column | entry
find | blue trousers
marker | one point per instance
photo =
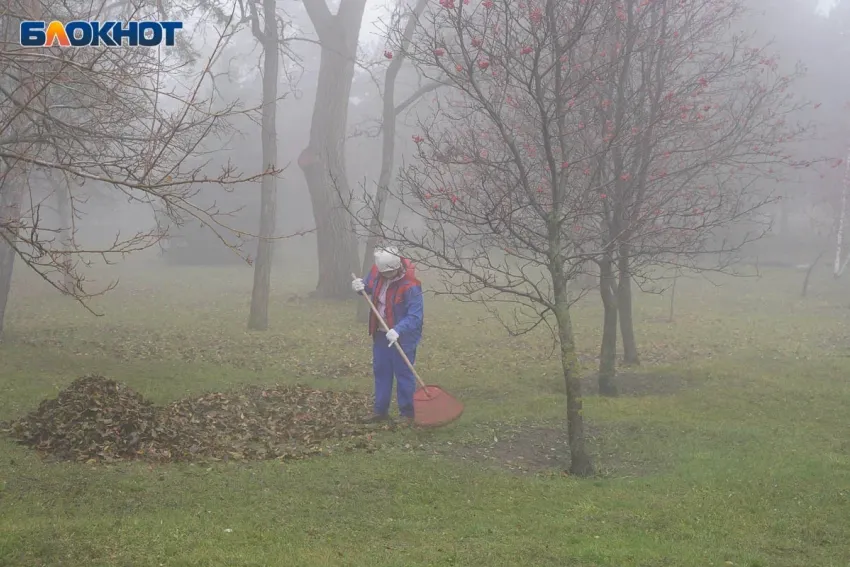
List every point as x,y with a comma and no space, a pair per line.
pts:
386,363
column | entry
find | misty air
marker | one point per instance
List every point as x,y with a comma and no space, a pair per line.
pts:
425,282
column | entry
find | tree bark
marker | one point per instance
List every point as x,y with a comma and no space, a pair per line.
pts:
580,461
624,305
10,215
63,207
382,190
258,319
608,350
784,215
672,298
7,263
323,161
840,263
809,273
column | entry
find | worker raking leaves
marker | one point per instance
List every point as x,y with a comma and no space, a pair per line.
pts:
397,295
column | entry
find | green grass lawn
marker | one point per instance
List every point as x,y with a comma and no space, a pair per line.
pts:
729,446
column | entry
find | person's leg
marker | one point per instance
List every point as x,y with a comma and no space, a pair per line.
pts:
406,380
382,367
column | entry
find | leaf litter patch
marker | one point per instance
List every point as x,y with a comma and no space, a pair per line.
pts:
96,419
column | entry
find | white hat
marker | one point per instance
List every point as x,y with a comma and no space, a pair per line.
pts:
387,259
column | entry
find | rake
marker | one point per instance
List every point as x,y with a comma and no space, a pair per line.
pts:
432,405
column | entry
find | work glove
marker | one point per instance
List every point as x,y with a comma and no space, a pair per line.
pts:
392,336
357,285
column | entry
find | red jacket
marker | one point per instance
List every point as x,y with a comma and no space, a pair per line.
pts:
404,306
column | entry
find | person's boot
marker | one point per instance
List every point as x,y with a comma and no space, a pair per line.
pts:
406,421
376,418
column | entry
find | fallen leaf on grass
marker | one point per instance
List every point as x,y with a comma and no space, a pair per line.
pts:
96,419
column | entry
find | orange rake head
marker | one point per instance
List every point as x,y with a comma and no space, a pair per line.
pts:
433,407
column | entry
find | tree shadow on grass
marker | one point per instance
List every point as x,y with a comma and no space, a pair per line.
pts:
639,384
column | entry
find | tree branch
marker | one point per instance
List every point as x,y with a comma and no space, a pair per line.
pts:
419,93
320,15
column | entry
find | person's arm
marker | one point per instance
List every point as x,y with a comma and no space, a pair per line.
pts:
369,282
415,308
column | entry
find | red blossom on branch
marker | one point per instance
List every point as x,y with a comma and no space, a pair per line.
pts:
668,122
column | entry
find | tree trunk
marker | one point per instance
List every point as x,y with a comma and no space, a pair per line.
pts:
608,351
809,274
387,153
580,462
336,246
258,319
63,207
624,305
382,190
10,215
7,263
323,161
672,298
840,264
784,215
12,184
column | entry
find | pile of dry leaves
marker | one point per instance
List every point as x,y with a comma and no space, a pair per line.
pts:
96,419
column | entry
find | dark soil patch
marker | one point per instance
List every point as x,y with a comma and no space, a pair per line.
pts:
521,451
637,384
536,449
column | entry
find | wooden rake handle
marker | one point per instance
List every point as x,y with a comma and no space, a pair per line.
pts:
386,329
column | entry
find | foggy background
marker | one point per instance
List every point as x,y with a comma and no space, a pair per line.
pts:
802,223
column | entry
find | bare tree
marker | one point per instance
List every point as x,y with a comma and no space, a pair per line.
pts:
268,25
117,117
492,180
323,161
269,38
390,113
691,126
